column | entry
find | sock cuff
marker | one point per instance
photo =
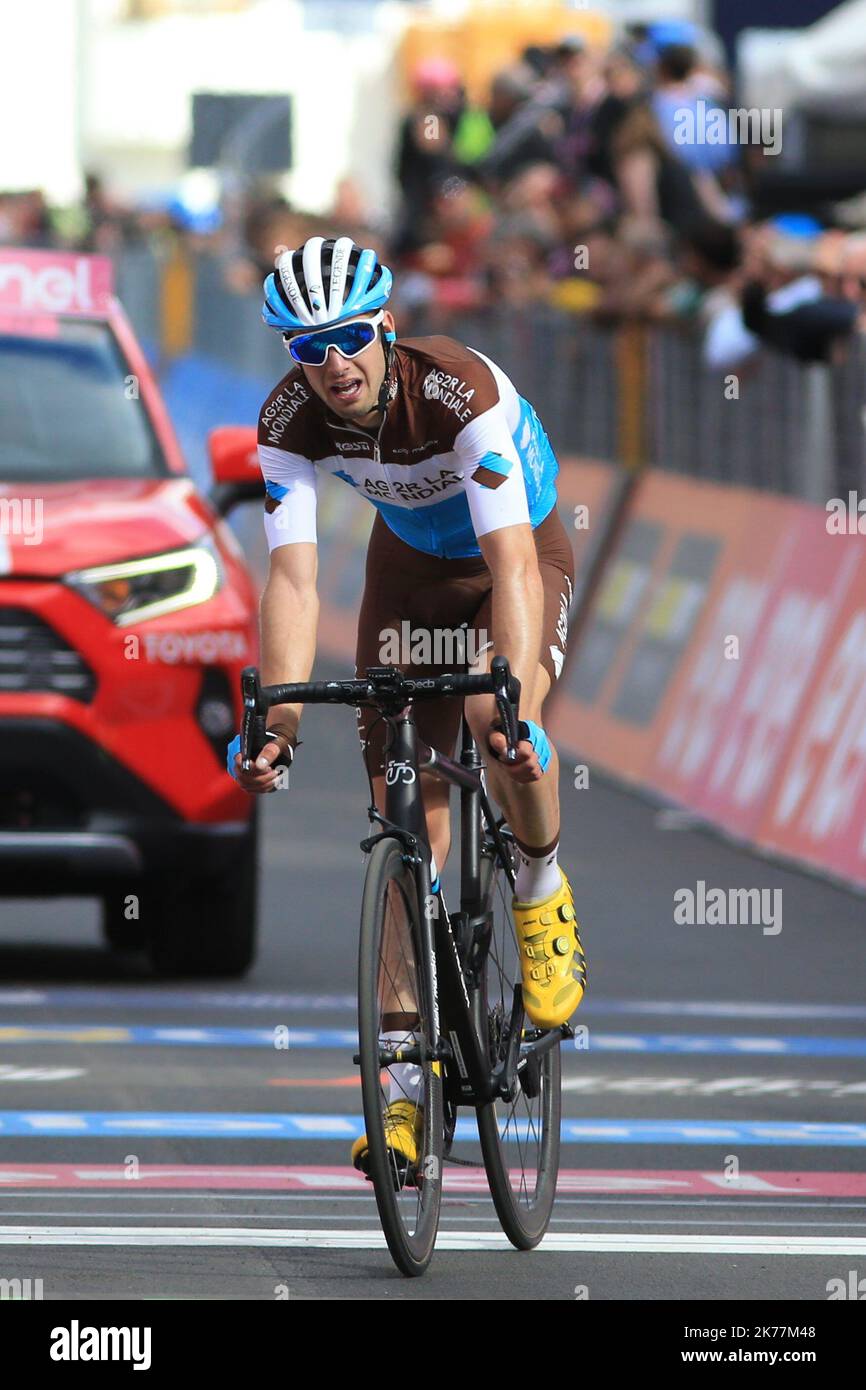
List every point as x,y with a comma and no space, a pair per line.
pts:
536,851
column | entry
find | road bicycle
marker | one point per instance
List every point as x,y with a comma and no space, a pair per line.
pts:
439,993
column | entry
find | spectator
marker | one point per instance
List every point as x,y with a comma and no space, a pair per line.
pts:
526,128
654,185
584,93
425,156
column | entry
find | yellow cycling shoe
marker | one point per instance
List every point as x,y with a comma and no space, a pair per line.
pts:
404,1126
551,957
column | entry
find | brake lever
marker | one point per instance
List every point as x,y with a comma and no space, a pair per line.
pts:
253,723
506,689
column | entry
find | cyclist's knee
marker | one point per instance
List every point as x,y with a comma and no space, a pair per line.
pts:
480,711
531,708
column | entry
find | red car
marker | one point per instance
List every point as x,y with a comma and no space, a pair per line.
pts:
126,615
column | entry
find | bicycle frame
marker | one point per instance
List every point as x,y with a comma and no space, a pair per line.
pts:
453,1034
447,959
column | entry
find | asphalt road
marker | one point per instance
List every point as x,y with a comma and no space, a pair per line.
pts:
157,1145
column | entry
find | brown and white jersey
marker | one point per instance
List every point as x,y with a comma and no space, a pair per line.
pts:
459,454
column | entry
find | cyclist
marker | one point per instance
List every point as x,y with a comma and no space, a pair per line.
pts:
462,476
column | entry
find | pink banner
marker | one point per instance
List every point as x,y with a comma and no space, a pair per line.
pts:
54,282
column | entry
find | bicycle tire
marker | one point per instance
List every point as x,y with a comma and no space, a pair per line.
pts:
524,1213
409,1223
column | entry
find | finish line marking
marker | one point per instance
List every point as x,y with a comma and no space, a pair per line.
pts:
265,1125
555,1242
90,1034
334,1178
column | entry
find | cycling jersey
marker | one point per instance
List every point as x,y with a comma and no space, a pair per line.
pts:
459,454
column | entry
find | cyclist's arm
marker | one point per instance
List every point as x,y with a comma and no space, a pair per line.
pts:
496,493
518,603
289,622
290,605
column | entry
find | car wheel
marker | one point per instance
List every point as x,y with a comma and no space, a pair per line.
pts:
206,925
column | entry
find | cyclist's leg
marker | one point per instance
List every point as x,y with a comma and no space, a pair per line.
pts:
407,589
551,955
532,809
399,589
537,813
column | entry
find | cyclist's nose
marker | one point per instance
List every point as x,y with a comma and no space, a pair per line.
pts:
340,359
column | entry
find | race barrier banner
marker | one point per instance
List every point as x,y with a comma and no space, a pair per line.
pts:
724,666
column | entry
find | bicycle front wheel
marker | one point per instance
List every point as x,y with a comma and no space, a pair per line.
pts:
402,1101
519,1138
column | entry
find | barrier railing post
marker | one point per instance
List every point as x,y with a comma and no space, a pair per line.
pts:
176,303
815,464
631,366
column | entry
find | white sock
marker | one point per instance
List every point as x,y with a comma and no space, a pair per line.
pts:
536,879
405,1077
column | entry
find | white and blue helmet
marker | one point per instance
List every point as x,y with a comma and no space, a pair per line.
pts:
322,283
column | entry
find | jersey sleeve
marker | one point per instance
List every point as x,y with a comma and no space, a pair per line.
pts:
290,504
492,472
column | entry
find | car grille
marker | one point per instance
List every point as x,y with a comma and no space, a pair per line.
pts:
35,657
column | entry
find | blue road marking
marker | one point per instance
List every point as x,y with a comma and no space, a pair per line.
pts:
209,1125
157,998
710,1044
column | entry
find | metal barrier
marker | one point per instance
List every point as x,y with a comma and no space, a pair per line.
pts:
138,280
634,394
228,326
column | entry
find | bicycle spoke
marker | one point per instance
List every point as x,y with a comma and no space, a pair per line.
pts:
520,1122
398,1024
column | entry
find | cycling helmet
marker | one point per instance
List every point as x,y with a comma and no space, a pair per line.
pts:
322,283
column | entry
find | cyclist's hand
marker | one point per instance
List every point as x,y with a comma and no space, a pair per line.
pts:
533,752
263,777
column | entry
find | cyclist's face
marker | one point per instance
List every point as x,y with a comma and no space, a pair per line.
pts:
349,386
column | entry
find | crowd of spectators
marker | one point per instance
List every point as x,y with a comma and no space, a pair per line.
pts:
584,186
573,187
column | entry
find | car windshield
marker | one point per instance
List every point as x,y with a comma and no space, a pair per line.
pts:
69,408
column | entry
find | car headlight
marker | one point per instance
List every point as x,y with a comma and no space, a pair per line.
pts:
134,590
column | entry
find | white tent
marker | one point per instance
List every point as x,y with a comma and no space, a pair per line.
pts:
821,69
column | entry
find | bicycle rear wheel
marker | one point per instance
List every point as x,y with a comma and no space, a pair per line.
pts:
519,1138
393,999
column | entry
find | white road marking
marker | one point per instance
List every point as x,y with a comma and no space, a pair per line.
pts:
789,1086
555,1242
10,1073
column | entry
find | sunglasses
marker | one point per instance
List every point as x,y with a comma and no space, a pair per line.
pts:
349,339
